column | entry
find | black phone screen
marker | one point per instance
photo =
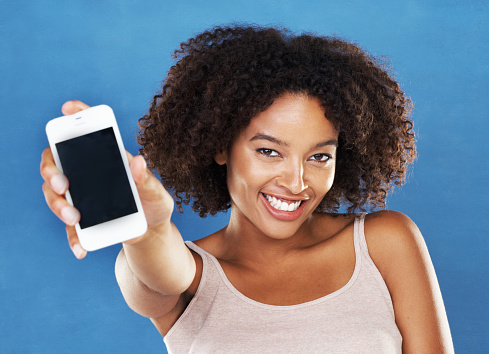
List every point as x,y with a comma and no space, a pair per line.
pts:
99,186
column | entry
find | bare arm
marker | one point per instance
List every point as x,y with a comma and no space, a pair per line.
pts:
153,273
399,251
140,297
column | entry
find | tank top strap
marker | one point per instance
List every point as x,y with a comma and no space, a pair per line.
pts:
359,235
361,249
203,298
203,254
210,272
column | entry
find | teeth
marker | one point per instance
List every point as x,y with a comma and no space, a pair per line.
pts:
281,204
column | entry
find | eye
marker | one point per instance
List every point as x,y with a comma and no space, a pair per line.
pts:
268,152
321,157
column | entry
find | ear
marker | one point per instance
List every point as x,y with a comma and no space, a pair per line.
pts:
221,158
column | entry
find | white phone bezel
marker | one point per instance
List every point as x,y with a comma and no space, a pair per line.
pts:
84,122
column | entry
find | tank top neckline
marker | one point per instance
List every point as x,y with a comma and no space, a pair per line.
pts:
358,237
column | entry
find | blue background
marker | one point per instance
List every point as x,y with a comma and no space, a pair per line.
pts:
117,53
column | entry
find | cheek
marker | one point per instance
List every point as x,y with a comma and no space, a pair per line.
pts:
238,178
246,178
330,181
327,180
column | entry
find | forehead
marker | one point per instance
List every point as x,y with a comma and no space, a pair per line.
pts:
293,116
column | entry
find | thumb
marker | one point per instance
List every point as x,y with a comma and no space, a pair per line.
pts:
138,169
157,202
149,188
72,107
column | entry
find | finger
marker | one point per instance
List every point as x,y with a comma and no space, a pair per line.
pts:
50,173
71,107
74,242
59,206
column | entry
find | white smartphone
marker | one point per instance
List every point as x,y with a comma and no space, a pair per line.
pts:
87,147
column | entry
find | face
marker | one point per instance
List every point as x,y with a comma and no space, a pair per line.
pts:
281,166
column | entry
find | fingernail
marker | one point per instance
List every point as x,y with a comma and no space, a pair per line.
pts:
70,215
59,183
77,250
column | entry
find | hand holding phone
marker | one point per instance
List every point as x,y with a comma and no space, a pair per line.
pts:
156,202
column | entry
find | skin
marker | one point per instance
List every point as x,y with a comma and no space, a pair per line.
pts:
287,151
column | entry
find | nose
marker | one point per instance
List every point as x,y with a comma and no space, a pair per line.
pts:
292,177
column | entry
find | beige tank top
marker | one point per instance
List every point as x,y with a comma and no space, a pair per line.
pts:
358,318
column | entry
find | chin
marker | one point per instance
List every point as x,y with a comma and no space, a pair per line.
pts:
281,232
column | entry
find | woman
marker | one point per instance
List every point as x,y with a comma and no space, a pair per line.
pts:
283,130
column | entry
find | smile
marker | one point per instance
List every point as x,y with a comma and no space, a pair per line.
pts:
281,204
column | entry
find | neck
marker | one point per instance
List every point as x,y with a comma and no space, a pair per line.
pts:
245,244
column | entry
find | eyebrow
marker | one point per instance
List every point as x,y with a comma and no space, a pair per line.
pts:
283,143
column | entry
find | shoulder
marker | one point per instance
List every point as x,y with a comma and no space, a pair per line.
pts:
392,239
391,223
397,248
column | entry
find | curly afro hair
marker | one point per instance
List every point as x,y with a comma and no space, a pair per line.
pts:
224,77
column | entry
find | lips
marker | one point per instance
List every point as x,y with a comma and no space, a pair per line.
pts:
283,209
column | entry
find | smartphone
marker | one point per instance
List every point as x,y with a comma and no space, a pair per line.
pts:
87,147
